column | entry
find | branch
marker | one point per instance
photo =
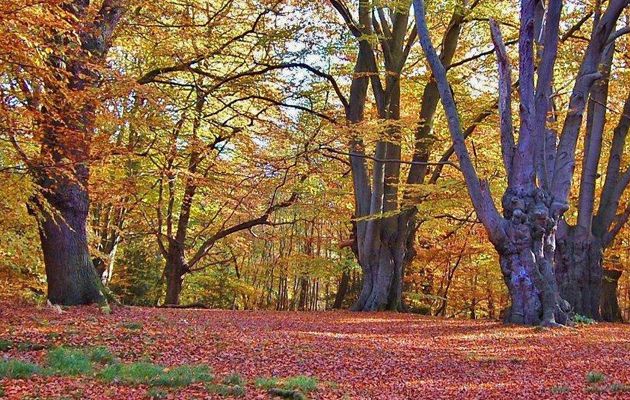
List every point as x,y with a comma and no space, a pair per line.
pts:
478,191
505,97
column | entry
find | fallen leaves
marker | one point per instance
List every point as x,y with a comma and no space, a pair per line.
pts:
356,355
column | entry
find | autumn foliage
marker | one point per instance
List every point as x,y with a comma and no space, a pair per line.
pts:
357,356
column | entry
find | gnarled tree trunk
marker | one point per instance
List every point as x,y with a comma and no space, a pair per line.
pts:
527,257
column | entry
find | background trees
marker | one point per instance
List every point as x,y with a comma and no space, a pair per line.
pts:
272,154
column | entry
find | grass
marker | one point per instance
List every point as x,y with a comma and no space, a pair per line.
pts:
619,388
559,389
234,380
266,382
155,393
302,383
595,377
68,362
156,375
5,345
583,320
133,326
16,369
293,387
101,355
226,390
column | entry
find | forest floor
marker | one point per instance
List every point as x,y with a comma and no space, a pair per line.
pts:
349,355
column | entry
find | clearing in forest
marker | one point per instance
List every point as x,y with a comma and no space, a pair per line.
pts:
144,353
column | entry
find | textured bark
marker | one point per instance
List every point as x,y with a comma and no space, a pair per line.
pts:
578,264
527,257
609,305
70,274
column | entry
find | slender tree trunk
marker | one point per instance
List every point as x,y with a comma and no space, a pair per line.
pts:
578,269
342,289
610,310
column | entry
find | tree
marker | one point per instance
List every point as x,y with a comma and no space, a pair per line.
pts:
539,172
385,203
60,77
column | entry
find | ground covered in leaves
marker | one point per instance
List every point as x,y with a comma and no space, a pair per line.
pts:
143,353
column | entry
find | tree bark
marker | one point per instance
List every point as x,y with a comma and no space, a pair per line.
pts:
610,310
526,258
579,269
342,289
175,270
70,274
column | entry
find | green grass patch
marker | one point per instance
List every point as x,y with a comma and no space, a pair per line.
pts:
266,382
595,377
583,320
156,375
68,361
302,383
5,345
16,369
101,355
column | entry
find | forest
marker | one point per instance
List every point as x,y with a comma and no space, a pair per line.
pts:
329,199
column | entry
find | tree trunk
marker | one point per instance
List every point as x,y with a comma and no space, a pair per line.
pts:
342,289
174,271
610,310
383,267
527,258
579,269
70,273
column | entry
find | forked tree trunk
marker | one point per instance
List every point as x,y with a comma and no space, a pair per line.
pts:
610,310
579,269
70,273
383,267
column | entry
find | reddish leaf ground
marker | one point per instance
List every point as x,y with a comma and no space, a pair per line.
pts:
353,355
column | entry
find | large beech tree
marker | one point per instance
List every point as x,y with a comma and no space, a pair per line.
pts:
385,202
61,91
539,172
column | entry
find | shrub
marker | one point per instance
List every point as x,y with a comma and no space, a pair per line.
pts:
67,361
17,369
